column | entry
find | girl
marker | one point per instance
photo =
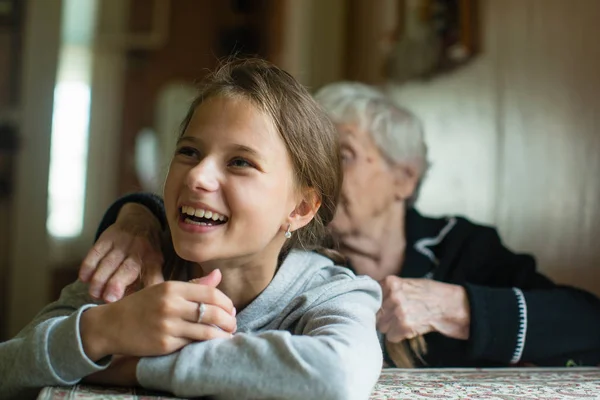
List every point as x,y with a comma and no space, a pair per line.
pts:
254,181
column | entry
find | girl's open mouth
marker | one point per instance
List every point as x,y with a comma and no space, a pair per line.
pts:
199,216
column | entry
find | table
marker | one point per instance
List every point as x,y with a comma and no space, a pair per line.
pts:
497,384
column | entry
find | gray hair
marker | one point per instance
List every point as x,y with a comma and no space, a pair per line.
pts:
397,132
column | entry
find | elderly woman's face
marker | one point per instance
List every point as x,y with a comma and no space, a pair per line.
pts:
370,185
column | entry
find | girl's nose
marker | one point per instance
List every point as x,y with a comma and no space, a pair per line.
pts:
203,177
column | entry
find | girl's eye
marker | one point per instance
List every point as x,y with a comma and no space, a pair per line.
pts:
240,163
187,151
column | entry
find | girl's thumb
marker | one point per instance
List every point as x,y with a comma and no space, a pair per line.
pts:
212,279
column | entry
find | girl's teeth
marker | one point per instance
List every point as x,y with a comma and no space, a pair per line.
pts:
191,221
201,213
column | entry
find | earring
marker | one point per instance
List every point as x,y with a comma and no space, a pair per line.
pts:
288,233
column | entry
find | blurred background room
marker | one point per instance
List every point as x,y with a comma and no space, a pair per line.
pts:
92,93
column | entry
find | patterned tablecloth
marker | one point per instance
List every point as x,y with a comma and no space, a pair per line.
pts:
500,384
497,384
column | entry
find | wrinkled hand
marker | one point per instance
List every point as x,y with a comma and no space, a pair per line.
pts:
159,319
413,307
121,372
126,255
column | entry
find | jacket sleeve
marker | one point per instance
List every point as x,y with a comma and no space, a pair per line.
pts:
332,353
153,202
520,316
48,351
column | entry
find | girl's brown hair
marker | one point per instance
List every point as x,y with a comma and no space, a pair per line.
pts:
307,131
312,143
402,353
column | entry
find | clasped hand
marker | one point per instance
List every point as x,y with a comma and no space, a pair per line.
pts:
159,319
413,307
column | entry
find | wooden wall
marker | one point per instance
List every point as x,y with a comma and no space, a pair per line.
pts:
11,22
515,136
5,46
201,32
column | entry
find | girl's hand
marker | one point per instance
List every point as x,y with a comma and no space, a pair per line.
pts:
159,319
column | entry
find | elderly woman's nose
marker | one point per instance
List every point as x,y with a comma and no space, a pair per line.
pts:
204,176
348,186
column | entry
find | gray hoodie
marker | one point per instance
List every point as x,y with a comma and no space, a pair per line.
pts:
309,335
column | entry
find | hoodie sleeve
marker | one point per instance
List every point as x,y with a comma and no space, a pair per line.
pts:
153,202
332,353
520,316
49,350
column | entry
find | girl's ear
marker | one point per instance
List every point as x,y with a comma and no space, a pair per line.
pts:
305,210
406,178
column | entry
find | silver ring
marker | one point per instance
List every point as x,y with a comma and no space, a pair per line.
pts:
201,311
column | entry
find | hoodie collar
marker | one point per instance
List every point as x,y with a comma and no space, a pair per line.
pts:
289,280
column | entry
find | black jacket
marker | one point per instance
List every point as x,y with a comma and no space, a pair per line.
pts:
518,316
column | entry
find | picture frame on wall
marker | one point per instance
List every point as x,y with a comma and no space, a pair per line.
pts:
433,37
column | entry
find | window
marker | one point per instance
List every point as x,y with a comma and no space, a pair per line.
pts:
70,120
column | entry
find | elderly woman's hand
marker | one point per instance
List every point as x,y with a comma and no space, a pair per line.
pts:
126,254
413,307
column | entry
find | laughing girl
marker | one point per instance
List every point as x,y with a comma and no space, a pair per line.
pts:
253,307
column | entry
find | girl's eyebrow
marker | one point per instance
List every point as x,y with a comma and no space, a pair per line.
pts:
187,139
236,147
245,149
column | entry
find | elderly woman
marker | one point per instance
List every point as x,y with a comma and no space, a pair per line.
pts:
453,294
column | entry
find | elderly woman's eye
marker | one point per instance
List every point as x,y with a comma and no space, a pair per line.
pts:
347,155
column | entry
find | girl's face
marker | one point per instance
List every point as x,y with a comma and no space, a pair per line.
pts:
230,188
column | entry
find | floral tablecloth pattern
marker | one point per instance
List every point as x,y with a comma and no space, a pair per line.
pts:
497,384
399,384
